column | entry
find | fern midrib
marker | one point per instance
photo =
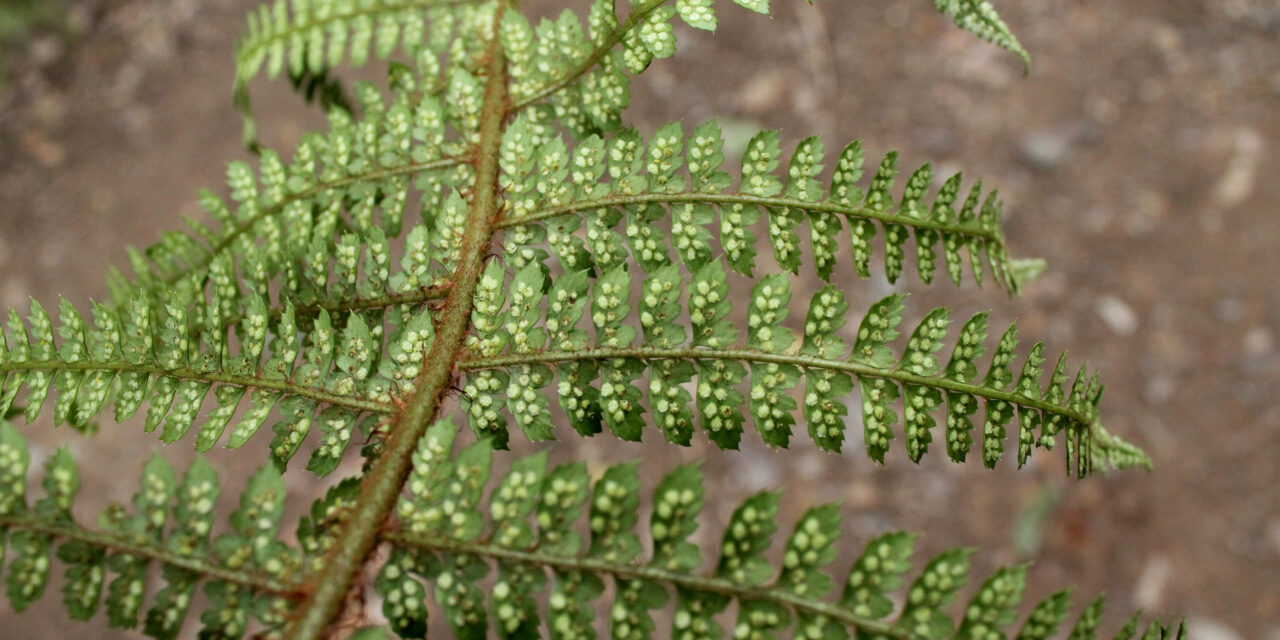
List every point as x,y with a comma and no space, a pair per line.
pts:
247,224
121,366
973,229
626,571
207,569
750,356
382,485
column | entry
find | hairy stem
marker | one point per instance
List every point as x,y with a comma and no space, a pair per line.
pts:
385,480
628,571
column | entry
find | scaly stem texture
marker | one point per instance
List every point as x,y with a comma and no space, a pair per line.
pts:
383,483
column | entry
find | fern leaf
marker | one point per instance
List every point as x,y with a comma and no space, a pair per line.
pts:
290,305
771,599
581,78
979,17
283,222
309,38
1043,622
598,379
645,191
339,375
247,573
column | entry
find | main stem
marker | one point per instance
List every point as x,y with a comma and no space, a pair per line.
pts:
383,483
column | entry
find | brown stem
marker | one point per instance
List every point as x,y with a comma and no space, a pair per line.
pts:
384,482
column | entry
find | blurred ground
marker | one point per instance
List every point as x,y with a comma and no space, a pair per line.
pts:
1139,157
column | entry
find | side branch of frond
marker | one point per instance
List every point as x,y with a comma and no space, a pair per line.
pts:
637,14
972,228
629,571
248,224
206,568
650,354
222,377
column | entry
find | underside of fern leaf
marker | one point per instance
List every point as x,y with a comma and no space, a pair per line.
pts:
453,530
979,17
486,228
246,573
327,354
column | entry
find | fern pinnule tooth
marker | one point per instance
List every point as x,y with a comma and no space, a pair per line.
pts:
746,538
42,349
1048,615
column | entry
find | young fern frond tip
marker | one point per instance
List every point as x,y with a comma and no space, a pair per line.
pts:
979,17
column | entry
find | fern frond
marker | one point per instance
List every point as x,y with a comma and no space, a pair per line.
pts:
356,179
551,197
509,364
309,38
330,376
442,537
980,18
292,299
582,75
247,573
581,79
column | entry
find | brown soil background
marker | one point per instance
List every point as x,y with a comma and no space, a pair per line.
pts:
1139,157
